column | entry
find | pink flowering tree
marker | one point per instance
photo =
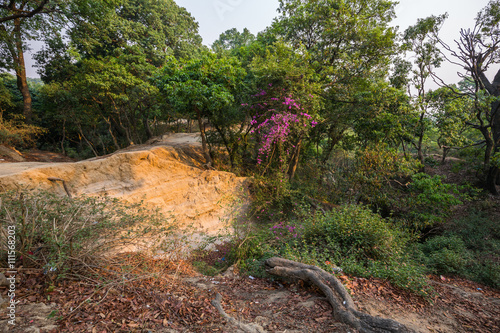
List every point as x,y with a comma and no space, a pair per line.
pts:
284,109
279,125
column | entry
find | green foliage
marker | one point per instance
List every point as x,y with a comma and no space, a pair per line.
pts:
354,231
68,236
17,134
206,83
445,255
232,40
206,88
470,247
431,200
452,115
107,103
349,44
361,243
373,175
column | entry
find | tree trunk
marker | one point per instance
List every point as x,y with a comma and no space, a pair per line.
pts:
421,139
494,171
206,153
294,161
88,142
63,151
147,128
110,130
334,137
446,150
20,69
491,180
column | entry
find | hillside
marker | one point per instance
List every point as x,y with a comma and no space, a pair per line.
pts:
167,174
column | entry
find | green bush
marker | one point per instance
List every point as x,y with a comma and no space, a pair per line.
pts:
360,242
445,255
428,200
469,248
71,235
355,231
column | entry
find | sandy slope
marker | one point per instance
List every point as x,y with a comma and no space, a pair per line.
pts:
166,173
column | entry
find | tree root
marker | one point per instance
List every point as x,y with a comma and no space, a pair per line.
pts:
250,328
344,309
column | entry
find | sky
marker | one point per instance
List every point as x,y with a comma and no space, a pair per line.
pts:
217,16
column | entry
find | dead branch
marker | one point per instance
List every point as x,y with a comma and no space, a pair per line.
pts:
53,179
250,328
343,306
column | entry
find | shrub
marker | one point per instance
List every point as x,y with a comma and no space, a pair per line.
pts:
64,235
428,200
469,248
18,134
361,243
445,255
355,231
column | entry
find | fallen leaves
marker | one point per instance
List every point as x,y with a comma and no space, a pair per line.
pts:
167,301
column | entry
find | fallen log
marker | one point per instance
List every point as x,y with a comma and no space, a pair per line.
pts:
344,309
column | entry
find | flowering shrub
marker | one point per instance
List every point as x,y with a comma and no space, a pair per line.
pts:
277,130
281,231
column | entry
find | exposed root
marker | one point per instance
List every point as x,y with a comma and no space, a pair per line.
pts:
344,309
250,328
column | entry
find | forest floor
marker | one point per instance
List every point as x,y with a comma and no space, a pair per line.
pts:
177,299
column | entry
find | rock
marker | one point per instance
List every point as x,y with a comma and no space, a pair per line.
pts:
230,272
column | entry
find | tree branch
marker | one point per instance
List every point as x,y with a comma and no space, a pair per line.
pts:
24,14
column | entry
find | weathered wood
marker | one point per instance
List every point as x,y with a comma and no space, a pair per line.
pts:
66,188
344,309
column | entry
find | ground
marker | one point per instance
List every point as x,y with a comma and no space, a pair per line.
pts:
173,297
180,302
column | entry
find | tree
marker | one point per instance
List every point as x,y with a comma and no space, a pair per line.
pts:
350,44
98,74
284,110
418,39
22,20
205,86
106,102
451,112
232,39
16,10
478,49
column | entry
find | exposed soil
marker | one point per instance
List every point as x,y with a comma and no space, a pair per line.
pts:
167,173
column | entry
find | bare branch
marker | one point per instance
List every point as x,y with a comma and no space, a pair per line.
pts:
25,14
